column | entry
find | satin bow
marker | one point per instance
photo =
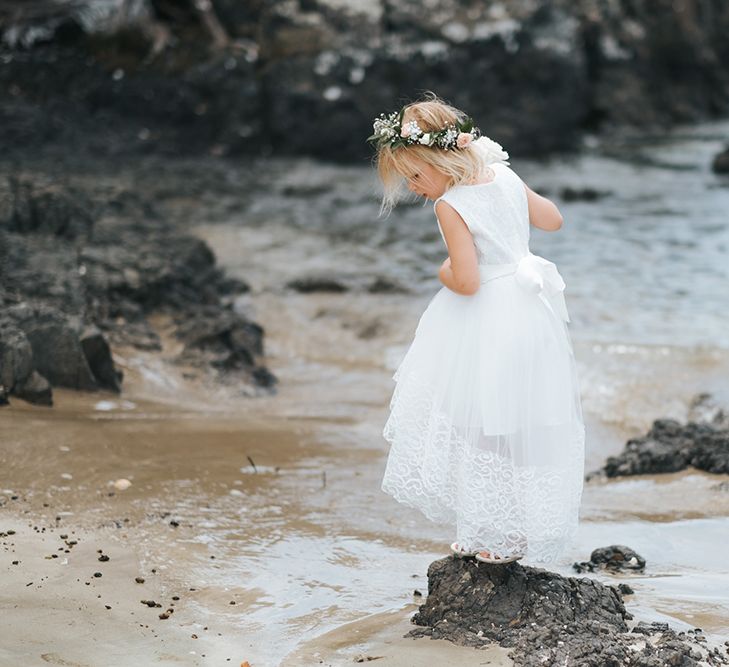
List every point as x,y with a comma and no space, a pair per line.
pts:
541,277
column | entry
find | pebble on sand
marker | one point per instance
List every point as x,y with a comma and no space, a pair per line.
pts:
122,484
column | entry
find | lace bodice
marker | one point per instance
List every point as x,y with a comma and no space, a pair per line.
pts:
496,213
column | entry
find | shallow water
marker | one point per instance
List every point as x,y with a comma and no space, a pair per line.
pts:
284,490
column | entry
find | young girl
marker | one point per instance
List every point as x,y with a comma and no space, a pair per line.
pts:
485,422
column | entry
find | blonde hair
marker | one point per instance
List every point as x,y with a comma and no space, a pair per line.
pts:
395,165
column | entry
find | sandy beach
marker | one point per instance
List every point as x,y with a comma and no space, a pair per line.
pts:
57,610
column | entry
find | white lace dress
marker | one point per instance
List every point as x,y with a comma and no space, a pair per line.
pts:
485,427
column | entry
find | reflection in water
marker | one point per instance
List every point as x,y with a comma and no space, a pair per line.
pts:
283,491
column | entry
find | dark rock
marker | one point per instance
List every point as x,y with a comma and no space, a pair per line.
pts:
385,286
35,389
98,356
370,330
670,446
263,377
563,66
704,409
45,207
81,272
316,284
225,340
210,328
720,164
545,619
16,355
582,194
473,600
56,342
616,557
649,628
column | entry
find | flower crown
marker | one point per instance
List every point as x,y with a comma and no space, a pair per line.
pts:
389,129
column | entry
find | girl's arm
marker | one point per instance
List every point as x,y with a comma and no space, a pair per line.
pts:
543,213
459,272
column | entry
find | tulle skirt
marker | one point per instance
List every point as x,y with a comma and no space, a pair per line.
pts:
485,426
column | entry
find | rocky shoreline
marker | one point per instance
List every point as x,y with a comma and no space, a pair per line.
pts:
82,271
308,77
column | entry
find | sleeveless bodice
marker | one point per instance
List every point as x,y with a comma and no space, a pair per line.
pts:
496,213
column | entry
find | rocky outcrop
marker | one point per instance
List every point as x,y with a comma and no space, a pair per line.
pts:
670,446
79,274
308,77
548,619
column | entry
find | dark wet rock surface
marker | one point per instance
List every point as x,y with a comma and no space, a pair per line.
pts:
615,558
670,446
720,163
158,80
81,272
583,194
316,284
705,409
548,619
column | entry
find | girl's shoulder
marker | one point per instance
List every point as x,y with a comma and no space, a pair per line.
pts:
501,171
505,185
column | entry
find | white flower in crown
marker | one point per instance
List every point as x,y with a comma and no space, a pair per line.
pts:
411,129
450,136
425,139
492,151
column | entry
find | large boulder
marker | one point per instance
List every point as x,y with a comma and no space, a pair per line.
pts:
548,619
60,344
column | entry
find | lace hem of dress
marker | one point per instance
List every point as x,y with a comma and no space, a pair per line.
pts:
493,503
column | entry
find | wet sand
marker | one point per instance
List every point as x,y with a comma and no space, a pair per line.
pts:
56,611
64,615
380,638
